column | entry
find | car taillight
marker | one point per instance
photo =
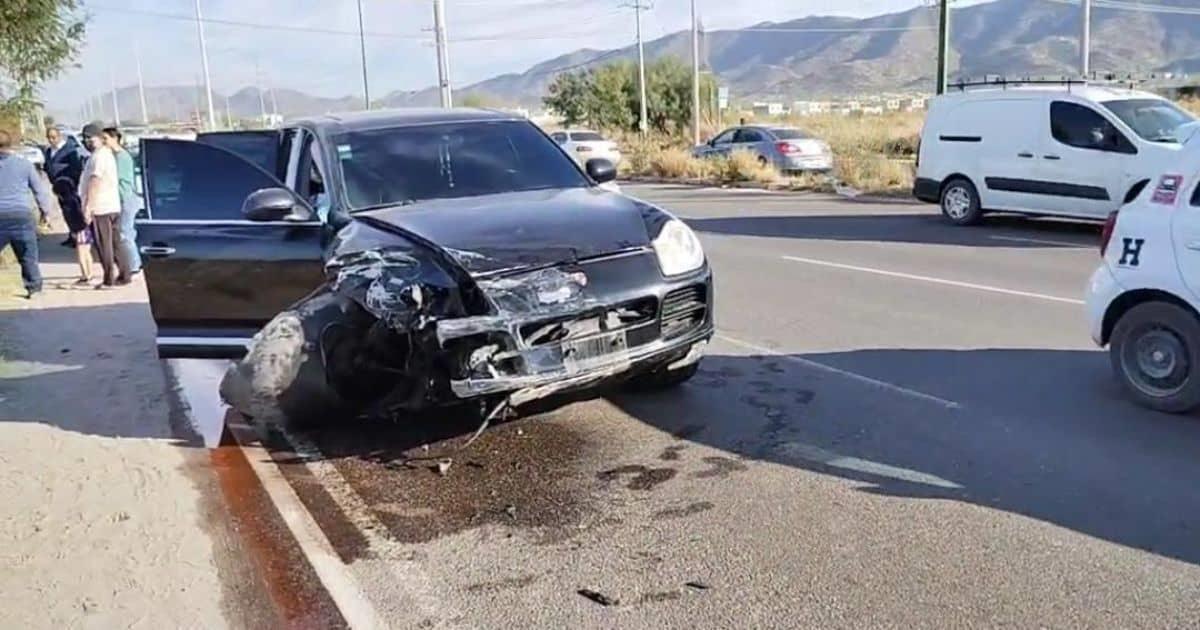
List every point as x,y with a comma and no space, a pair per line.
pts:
788,148
1110,224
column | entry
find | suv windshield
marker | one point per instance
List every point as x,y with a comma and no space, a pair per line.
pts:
1153,119
406,164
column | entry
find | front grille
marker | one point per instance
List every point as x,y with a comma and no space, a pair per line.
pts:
637,317
683,310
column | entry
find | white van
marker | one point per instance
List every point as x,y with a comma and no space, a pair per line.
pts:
1069,149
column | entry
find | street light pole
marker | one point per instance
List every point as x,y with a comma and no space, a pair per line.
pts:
943,46
1085,39
212,113
439,27
112,89
642,126
695,77
362,48
137,58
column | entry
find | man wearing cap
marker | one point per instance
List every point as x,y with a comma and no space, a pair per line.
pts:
18,178
99,190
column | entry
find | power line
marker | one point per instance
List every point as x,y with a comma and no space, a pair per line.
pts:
1124,5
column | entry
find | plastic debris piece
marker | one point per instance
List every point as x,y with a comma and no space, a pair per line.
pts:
598,597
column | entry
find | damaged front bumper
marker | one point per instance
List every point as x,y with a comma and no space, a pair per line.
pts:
575,339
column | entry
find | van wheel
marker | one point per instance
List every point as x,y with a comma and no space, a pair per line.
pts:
1155,354
960,202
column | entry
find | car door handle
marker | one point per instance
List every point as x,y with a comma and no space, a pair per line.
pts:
157,251
1024,155
1051,157
1193,245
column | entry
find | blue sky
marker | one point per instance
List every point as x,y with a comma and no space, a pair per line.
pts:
488,37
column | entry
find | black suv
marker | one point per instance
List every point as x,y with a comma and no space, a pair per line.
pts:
393,261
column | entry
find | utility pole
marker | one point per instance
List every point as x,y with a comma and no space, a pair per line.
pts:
212,112
695,76
637,11
228,114
112,90
1085,39
943,70
262,103
439,27
137,58
362,49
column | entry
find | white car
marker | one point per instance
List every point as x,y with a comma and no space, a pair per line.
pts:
1143,302
32,153
1069,149
583,145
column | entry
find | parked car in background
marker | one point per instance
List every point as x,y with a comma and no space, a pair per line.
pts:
583,145
1067,149
33,153
788,149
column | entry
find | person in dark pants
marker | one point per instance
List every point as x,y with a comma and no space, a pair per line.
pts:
129,201
18,178
64,158
102,206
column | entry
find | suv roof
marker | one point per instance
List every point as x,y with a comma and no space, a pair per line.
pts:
384,118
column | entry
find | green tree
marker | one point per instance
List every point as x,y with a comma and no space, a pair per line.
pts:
38,39
607,97
477,99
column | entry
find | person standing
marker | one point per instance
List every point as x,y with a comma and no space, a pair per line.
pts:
64,158
98,188
129,206
19,177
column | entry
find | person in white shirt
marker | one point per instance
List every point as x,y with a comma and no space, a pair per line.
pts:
101,197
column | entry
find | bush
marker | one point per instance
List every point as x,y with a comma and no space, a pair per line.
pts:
674,162
744,166
1191,104
872,172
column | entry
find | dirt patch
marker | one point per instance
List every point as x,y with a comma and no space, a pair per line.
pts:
506,584
665,596
683,512
719,468
640,477
671,453
522,474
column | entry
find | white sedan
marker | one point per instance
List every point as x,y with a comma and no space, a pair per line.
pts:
584,145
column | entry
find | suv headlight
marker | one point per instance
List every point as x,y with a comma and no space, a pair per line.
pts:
678,249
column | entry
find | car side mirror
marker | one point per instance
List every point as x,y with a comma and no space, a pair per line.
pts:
601,170
269,204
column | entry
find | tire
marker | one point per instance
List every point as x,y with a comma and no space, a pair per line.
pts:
960,202
663,379
1155,355
763,161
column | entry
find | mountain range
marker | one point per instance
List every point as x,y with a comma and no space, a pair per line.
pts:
816,57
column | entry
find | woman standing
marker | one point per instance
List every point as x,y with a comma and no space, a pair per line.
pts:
102,205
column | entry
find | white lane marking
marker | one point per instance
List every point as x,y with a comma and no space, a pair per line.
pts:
866,380
1038,241
836,460
930,279
336,577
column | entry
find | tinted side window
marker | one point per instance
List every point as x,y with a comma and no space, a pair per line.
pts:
749,135
559,137
192,180
1196,196
725,138
1081,127
259,147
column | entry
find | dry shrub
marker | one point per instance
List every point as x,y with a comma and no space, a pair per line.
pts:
1191,104
874,173
744,166
672,163
892,135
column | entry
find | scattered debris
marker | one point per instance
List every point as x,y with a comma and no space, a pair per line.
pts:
698,585
511,510
599,598
665,596
443,466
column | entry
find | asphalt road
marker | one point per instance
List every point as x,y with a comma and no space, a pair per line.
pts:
900,424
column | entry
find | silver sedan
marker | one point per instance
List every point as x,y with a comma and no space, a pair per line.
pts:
786,148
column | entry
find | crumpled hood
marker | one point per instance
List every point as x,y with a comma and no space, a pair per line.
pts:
524,229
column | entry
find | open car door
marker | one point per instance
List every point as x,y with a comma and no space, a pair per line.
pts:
263,147
214,276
